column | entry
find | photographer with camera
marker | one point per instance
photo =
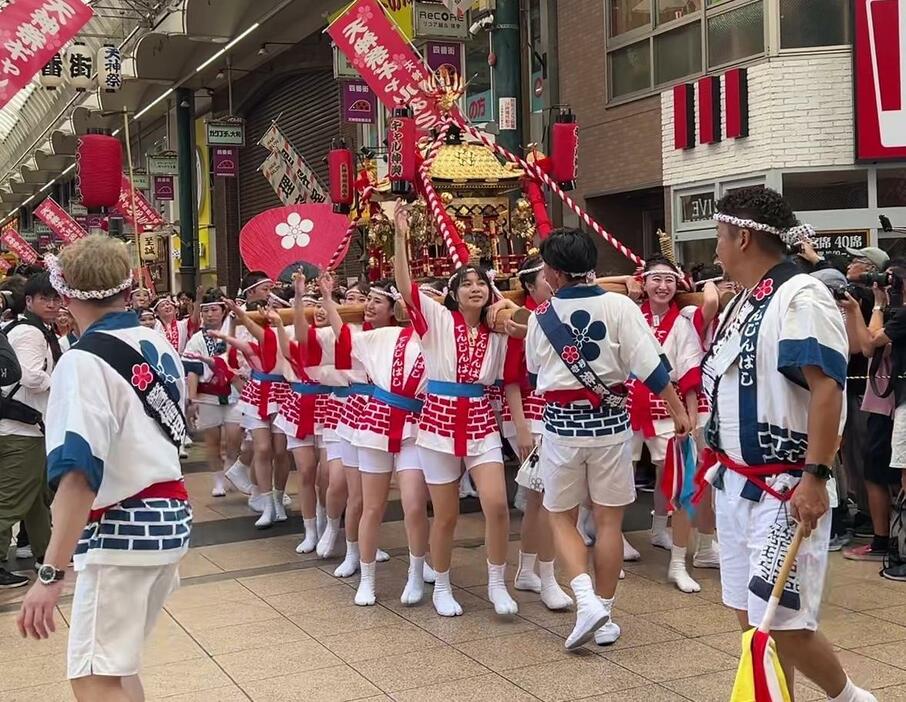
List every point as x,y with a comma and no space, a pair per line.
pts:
885,335
23,483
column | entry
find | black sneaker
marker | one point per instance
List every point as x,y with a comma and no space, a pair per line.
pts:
10,580
895,572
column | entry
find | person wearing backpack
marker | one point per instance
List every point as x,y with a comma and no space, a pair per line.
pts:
23,486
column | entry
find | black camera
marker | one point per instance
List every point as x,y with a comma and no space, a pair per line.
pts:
880,279
842,291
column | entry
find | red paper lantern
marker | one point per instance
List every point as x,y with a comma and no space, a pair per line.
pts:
99,170
341,165
565,150
401,150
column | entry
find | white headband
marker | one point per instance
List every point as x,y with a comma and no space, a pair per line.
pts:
212,304
748,224
162,300
803,232
533,269
673,273
59,284
393,294
255,285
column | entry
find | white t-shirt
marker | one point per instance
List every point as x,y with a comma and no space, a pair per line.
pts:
36,360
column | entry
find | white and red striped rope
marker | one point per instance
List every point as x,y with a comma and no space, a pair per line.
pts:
353,227
437,208
536,172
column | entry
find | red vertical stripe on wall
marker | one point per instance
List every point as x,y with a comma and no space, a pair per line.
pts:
737,87
684,116
709,110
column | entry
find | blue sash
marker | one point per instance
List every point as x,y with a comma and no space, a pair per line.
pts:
267,377
448,389
408,404
310,388
561,338
366,389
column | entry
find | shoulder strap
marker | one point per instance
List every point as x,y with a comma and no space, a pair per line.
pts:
156,398
561,338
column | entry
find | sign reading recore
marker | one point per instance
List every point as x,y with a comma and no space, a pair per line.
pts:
437,21
223,133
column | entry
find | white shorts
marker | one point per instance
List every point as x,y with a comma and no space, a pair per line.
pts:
441,468
293,443
349,454
333,450
252,422
573,475
657,447
114,609
743,526
898,440
212,416
372,460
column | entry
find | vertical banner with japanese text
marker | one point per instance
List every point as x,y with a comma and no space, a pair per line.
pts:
32,32
295,182
13,241
147,216
385,60
59,221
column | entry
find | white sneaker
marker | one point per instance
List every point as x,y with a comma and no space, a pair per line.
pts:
709,558
608,634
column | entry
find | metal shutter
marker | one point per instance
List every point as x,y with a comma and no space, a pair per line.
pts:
308,105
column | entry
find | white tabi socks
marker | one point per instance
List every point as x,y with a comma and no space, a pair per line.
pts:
219,489
610,632
503,603
280,506
268,512
591,614
660,537
676,571
308,544
350,563
526,579
851,693
415,581
444,602
552,594
321,516
382,556
327,544
238,474
630,553
364,596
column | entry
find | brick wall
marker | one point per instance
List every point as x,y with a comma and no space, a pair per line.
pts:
800,116
619,147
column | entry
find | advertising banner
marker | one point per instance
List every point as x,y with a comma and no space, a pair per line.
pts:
59,221
17,245
293,177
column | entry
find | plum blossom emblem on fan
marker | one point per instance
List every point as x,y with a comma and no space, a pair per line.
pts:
294,231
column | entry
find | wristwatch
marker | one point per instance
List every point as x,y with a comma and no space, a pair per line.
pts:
819,470
48,575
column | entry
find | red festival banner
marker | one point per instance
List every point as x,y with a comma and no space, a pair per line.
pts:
59,221
879,47
147,216
17,245
32,32
386,61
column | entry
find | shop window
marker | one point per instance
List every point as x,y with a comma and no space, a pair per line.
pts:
696,210
626,15
892,187
696,251
826,190
630,69
805,23
670,10
736,34
678,53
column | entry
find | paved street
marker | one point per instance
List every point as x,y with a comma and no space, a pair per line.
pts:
255,621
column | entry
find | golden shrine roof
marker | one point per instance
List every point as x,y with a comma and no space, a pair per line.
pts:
471,162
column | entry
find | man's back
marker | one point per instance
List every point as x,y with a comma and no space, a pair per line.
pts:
36,362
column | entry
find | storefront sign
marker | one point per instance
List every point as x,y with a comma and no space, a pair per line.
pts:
163,188
225,133
77,209
141,179
836,242
506,115
696,207
166,163
359,103
16,243
386,61
433,20
447,54
59,221
226,161
341,66
149,246
33,32
880,81
478,107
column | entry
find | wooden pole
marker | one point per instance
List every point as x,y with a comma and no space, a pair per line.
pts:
135,224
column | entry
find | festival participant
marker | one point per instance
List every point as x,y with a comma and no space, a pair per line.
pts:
650,416
775,376
457,425
213,400
140,299
114,425
385,436
66,329
536,537
586,446
259,403
177,331
356,294
147,319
